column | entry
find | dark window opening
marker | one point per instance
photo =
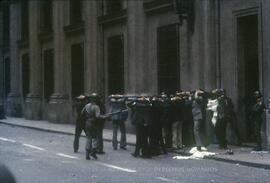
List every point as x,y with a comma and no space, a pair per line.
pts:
77,69
46,16
7,76
168,59
48,67
248,73
113,6
24,20
75,11
115,65
25,75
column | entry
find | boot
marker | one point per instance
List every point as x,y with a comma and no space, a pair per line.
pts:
87,157
93,154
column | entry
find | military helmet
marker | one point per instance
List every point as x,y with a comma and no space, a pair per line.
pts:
93,97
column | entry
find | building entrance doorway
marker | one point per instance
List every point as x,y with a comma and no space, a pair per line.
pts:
248,70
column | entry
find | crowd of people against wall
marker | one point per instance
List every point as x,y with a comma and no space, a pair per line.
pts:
162,122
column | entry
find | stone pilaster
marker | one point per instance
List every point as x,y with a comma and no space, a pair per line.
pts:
1,56
14,107
59,104
209,44
137,68
266,63
32,109
93,63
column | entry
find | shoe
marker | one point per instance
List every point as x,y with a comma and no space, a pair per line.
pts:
257,149
229,152
75,151
146,156
94,156
115,148
87,157
135,155
199,148
124,148
101,152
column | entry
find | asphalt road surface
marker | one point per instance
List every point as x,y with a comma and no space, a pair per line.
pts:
43,157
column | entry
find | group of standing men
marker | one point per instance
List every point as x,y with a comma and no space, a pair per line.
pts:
161,122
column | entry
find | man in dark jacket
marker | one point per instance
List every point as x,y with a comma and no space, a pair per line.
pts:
79,103
142,121
257,112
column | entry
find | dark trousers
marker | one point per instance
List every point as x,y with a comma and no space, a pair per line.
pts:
142,140
80,126
91,138
258,126
119,124
100,137
197,130
220,131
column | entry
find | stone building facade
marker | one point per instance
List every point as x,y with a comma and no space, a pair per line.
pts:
54,50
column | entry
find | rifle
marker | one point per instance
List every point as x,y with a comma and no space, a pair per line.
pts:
108,115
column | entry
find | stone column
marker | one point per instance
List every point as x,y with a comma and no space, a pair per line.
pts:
209,44
266,62
1,58
93,63
14,97
59,107
32,108
136,63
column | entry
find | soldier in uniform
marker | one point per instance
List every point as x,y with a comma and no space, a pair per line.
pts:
79,103
92,115
257,112
117,103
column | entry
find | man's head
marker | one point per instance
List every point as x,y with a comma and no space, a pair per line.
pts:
93,97
257,95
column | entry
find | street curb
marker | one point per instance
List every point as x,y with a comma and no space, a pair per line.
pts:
244,163
54,131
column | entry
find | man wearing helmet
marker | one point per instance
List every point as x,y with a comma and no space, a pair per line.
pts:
92,115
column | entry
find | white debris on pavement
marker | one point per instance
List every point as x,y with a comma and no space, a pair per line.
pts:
259,152
196,154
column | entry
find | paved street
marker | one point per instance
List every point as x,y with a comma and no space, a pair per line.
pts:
35,156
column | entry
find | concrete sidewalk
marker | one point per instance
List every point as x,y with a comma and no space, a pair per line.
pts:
242,155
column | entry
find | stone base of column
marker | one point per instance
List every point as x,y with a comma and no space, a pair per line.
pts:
13,105
60,109
32,107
